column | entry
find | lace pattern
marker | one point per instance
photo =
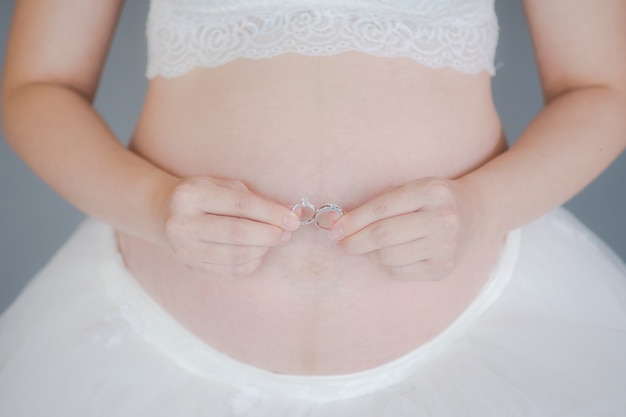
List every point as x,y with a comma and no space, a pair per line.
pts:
183,34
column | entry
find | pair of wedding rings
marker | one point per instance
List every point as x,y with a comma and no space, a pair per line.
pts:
322,217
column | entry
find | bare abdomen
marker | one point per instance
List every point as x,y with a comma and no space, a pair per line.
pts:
337,129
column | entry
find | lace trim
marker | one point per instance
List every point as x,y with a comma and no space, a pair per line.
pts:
180,39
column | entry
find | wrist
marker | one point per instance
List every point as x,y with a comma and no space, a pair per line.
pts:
486,219
160,206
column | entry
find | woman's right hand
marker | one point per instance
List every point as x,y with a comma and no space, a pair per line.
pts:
222,228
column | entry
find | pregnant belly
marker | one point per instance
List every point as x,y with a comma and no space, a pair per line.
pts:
309,309
293,127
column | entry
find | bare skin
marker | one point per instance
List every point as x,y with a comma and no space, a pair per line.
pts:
415,156
285,127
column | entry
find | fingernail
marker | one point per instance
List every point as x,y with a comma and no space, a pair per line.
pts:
291,222
336,233
285,236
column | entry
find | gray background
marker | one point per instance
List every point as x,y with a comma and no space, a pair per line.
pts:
34,221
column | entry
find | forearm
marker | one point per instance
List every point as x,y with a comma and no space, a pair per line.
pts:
59,135
570,142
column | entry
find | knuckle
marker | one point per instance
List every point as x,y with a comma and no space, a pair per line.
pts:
183,188
185,191
177,223
172,226
384,257
237,185
187,195
347,248
444,213
238,231
180,198
239,255
378,207
242,204
439,188
380,234
450,219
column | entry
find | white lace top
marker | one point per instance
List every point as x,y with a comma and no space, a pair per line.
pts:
182,34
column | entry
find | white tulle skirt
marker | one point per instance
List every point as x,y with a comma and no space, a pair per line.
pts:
545,337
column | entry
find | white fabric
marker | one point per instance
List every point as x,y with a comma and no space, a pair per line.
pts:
546,337
183,34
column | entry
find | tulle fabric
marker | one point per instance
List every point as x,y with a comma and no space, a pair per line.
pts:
546,337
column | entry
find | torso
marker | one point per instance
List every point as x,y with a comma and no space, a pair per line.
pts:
339,129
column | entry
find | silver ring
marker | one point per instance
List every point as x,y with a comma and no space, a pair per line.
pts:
305,204
325,208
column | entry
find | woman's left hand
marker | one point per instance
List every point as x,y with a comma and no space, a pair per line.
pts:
418,231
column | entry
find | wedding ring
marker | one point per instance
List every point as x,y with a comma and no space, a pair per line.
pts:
305,205
326,208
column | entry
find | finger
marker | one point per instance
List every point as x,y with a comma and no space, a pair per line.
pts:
425,270
226,198
411,197
397,202
237,231
387,233
247,205
404,254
